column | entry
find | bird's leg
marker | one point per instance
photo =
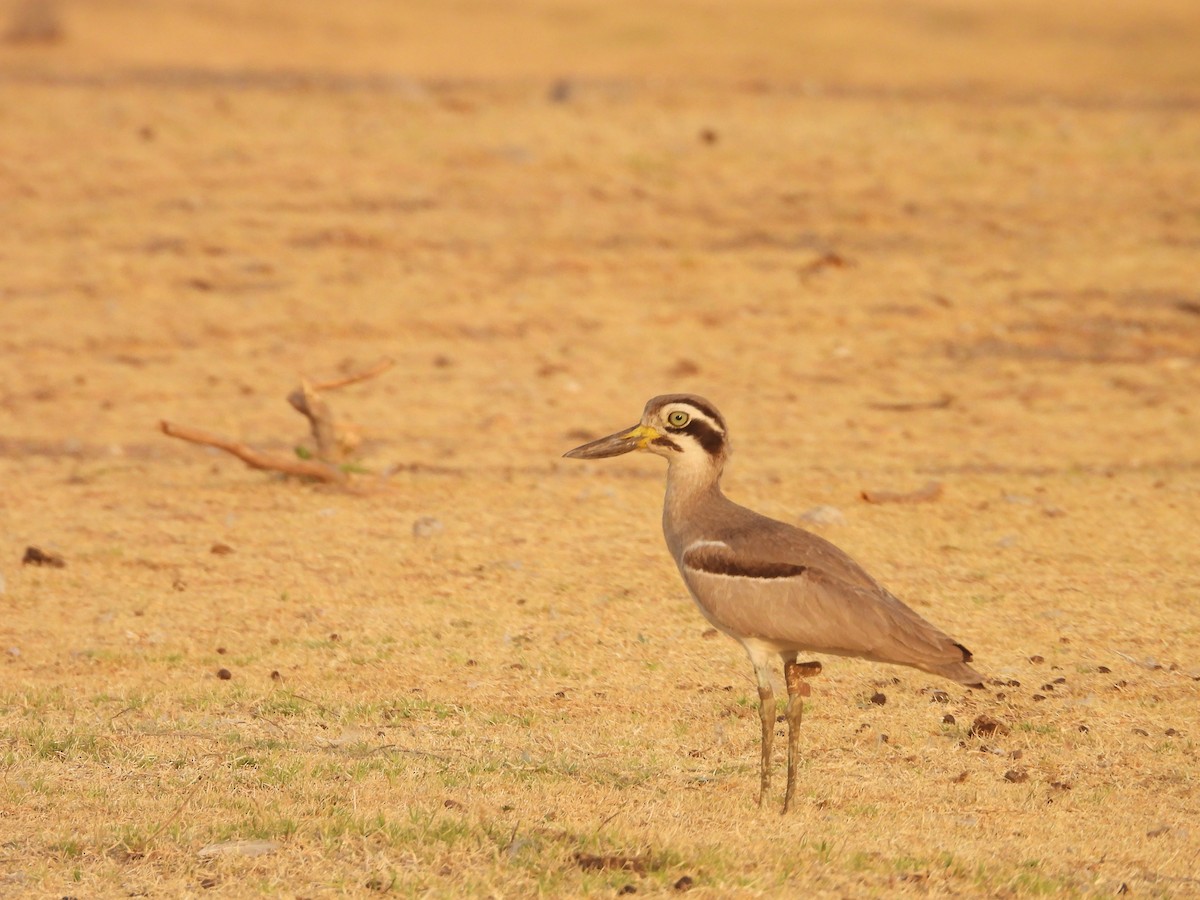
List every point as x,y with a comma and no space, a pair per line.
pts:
795,673
766,713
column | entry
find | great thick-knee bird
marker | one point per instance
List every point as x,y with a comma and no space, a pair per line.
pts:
776,588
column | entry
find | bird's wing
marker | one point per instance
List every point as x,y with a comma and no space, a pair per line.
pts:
802,606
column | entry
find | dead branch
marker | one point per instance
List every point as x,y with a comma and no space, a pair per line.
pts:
313,407
378,369
305,468
942,402
334,443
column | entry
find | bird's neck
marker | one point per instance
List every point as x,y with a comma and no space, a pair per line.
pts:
689,486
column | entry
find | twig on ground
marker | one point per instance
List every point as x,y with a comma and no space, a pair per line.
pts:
334,443
305,468
941,402
178,811
378,369
309,403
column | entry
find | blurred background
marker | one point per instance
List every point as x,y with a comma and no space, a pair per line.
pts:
1014,45
805,191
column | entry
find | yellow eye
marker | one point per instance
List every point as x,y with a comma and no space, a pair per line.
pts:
678,418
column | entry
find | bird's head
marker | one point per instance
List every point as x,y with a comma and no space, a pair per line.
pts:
684,428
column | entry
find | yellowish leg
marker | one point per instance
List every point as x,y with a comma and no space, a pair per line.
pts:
795,673
766,712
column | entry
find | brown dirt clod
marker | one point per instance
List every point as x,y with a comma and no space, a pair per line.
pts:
35,556
985,725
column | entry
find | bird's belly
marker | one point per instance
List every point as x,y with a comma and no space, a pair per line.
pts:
776,612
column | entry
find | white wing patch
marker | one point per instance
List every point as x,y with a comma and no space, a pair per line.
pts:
696,545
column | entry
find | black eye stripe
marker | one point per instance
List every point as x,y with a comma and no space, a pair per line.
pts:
708,437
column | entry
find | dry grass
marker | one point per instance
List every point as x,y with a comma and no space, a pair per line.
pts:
523,702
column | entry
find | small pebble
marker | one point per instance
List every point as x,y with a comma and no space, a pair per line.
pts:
427,527
238,848
560,91
224,674
823,515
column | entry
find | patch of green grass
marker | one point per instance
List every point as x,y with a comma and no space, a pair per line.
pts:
823,850
910,864
862,810
861,861
517,719
38,701
221,696
1038,885
130,837
282,704
422,830
67,848
45,742
257,825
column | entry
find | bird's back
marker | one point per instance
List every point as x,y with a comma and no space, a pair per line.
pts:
756,577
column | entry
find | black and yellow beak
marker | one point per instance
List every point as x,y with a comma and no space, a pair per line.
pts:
635,438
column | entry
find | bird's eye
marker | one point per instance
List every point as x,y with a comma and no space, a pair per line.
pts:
678,418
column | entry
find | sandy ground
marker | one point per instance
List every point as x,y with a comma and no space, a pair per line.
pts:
894,243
